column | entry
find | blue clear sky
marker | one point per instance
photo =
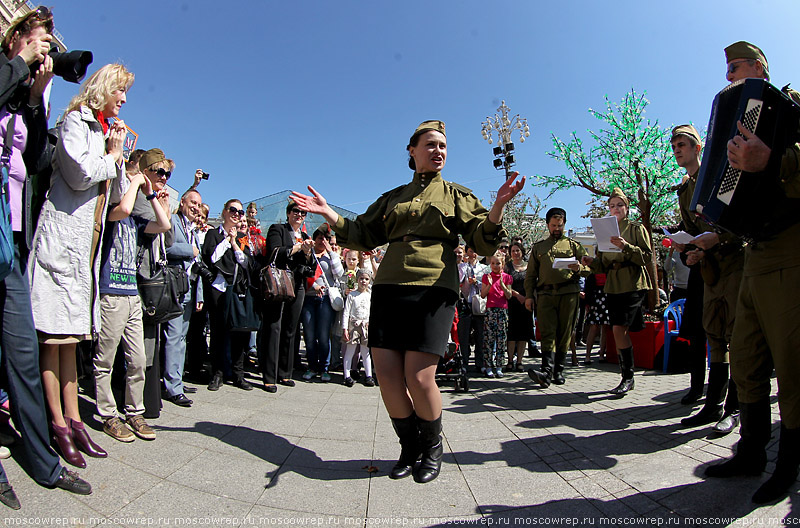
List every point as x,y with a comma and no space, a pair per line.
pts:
268,96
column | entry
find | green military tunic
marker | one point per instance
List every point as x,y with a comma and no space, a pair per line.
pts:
421,221
722,273
625,271
556,291
767,328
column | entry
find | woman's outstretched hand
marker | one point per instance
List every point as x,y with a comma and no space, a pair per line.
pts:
316,203
506,192
510,188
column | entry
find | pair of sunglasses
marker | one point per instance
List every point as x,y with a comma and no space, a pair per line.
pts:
162,173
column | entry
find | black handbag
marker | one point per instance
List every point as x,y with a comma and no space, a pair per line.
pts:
277,285
239,310
163,290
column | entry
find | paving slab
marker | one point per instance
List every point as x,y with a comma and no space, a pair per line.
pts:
320,453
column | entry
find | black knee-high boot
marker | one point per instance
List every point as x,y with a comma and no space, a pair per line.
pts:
697,369
626,367
786,468
432,450
717,389
408,433
751,451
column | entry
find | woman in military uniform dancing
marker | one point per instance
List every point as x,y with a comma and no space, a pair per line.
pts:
416,286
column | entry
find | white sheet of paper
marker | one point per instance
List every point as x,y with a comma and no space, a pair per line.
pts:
681,237
605,228
563,263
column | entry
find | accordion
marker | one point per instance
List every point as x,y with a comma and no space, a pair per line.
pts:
750,205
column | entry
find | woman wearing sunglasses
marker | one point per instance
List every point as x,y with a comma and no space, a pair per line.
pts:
292,249
64,264
223,254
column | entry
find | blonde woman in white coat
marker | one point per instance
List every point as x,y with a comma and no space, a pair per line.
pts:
64,266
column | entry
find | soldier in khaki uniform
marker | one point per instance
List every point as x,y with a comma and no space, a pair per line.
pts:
766,333
556,292
627,283
721,259
416,286
686,147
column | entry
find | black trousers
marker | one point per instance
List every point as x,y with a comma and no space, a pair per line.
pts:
196,345
278,335
227,348
152,374
468,323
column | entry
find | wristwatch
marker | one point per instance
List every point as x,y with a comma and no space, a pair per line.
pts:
152,196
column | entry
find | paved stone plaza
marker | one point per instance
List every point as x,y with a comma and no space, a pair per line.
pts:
320,453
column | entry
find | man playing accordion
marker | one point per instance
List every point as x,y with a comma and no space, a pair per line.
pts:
767,328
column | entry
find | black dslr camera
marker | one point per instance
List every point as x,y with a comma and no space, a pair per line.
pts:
70,65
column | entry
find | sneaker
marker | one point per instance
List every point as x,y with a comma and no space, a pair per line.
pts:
490,373
140,428
369,382
309,375
5,452
498,373
114,428
348,382
325,377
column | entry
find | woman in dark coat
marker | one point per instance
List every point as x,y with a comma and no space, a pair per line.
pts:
279,320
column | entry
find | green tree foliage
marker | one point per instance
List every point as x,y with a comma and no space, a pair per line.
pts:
628,152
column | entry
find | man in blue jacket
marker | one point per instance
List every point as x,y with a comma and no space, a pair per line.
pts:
183,251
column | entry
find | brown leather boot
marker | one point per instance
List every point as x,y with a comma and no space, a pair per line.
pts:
61,438
82,440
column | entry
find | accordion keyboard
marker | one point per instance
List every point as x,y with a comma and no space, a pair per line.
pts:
731,178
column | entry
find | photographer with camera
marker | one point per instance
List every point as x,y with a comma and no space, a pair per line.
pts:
23,132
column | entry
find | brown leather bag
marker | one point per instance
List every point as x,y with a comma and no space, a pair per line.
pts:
277,285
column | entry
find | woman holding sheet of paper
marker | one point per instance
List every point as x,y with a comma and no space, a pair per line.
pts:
627,282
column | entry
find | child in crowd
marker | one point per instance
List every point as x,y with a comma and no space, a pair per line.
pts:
121,309
351,267
355,325
496,289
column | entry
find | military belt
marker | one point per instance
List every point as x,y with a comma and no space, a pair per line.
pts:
551,287
617,265
414,238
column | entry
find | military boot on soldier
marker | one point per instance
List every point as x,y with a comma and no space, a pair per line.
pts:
553,275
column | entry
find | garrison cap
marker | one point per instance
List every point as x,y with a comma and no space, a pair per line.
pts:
686,130
745,50
617,193
430,125
150,157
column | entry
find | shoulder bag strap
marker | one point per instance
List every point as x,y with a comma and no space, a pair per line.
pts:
5,159
8,141
324,278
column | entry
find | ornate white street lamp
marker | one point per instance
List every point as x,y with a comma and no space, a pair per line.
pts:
503,126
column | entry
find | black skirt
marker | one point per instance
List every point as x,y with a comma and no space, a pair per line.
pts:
625,309
411,317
